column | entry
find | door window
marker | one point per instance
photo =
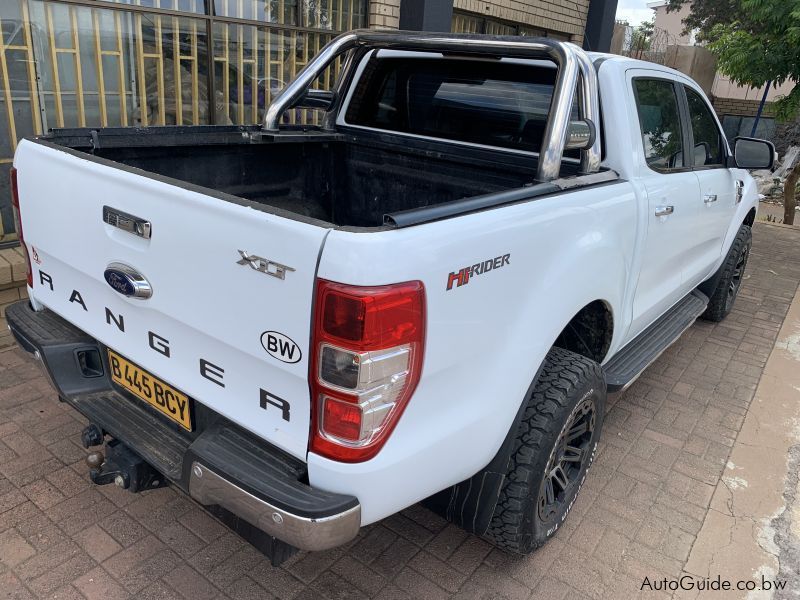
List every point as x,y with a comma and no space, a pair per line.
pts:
707,137
659,119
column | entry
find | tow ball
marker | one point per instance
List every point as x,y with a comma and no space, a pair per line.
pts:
119,465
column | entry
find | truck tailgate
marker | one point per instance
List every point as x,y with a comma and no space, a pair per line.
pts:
205,328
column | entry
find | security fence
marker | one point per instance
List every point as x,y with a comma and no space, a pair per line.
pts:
648,43
97,63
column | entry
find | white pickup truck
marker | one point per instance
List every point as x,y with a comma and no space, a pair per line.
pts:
426,297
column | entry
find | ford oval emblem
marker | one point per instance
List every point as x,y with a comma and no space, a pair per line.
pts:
127,281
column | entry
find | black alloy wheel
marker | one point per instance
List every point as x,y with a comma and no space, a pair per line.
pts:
736,277
729,277
554,446
567,460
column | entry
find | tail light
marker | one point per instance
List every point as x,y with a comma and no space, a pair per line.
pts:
18,221
367,352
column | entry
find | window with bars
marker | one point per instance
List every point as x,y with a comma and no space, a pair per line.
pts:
464,22
98,63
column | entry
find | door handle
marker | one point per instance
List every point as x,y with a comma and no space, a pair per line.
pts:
709,198
663,211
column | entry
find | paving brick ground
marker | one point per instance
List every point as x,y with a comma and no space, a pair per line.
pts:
665,444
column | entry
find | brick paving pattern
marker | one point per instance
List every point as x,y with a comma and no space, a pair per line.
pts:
664,447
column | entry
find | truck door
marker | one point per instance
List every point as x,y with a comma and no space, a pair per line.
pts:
672,191
717,203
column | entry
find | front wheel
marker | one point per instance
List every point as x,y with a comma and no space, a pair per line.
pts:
720,303
555,446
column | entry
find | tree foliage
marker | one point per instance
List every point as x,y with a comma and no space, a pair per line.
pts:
756,42
643,35
705,14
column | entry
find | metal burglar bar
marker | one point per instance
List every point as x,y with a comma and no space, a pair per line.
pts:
19,101
252,64
469,23
15,43
101,67
97,63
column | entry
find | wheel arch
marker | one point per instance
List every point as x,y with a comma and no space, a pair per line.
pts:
470,504
589,332
750,218
710,284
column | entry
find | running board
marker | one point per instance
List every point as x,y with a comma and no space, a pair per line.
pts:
627,364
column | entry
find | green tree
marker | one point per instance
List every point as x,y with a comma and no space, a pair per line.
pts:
642,36
705,14
756,42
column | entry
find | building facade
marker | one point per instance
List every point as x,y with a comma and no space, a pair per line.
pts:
105,63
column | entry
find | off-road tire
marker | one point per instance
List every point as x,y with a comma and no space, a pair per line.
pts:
724,295
566,383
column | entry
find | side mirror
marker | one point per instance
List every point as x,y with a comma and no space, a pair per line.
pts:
702,153
314,99
675,160
752,153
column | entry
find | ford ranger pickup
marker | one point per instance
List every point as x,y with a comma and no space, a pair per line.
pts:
425,297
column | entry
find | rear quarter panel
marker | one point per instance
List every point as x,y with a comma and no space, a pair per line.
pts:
485,339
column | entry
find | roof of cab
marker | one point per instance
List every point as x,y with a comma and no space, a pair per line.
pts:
625,62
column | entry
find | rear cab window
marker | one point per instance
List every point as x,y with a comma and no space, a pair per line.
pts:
494,103
657,105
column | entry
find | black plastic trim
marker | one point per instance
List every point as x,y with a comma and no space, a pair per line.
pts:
628,363
426,214
470,504
266,473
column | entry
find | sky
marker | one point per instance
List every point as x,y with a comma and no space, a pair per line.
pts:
634,11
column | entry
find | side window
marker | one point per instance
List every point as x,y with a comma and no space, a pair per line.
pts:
660,122
707,137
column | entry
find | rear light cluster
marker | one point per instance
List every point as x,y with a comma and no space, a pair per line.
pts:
18,221
366,362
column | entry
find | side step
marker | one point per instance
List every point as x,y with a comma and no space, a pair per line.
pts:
627,364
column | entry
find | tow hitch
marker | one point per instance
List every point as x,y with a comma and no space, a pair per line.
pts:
119,465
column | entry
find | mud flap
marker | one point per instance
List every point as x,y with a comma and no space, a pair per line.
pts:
470,504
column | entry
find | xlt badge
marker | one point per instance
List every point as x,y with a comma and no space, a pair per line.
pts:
263,265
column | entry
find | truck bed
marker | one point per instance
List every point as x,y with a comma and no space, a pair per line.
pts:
347,179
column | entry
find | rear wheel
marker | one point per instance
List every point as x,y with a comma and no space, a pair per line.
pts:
721,301
555,446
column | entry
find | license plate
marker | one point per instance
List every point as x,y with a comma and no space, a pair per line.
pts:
161,396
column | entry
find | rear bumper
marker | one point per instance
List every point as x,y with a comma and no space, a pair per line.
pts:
220,464
306,533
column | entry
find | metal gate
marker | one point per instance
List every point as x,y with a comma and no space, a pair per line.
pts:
96,63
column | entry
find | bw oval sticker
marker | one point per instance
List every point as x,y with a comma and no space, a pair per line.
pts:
281,347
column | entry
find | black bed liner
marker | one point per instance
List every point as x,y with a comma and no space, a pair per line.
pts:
353,179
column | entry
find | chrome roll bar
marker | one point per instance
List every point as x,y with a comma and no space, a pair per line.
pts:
573,66
589,108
